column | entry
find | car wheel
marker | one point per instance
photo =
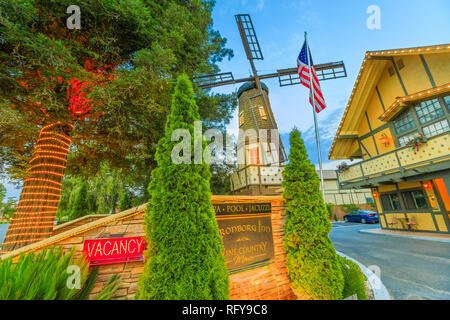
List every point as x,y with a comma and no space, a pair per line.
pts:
346,219
363,220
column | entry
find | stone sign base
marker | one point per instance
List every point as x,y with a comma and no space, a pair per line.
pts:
269,281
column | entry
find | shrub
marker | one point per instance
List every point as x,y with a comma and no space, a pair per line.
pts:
354,279
349,207
185,259
8,209
329,207
81,205
311,259
125,200
44,276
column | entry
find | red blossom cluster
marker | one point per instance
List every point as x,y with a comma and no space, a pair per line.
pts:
78,103
416,142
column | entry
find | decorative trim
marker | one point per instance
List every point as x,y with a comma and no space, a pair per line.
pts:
402,102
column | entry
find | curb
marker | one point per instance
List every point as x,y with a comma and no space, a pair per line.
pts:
403,236
379,290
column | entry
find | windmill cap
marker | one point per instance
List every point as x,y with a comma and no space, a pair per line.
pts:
250,85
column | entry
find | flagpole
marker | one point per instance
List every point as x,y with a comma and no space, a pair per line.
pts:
313,100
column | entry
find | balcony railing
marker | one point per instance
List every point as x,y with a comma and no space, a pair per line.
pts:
435,150
256,174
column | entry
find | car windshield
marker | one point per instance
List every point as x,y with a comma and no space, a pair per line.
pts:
367,212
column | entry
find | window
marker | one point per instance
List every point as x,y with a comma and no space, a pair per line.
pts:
447,102
241,118
403,140
429,110
436,128
414,200
262,113
390,202
404,123
253,156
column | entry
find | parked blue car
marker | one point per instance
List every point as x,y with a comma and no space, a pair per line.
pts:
363,216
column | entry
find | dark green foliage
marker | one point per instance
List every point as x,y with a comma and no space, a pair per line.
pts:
105,191
220,180
144,44
349,207
125,201
81,206
354,279
45,275
9,208
329,207
2,193
311,260
185,258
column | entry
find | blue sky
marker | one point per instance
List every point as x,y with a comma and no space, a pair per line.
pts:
336,31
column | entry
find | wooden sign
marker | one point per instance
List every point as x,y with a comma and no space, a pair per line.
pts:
246,231
114,250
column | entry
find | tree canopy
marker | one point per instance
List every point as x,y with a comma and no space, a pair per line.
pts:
113,78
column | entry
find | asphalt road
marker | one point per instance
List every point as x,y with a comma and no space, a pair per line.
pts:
410,268
3,229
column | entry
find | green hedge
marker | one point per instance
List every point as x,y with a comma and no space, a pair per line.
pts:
354,279
185,259
312,262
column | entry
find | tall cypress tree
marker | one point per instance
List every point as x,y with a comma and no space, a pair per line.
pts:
312,261
81,205
185,258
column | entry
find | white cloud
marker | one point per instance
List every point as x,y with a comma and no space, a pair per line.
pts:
260,5
328,124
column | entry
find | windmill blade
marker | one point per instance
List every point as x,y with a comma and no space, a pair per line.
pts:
213,80
248,36
324,71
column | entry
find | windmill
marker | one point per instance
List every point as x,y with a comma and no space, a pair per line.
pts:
260,172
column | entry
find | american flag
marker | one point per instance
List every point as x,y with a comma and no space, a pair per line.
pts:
303,72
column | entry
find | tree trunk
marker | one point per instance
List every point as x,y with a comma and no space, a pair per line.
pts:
35,215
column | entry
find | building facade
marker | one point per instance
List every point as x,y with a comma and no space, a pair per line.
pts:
397,122
338,196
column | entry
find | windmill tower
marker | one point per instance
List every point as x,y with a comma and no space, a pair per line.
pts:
260,151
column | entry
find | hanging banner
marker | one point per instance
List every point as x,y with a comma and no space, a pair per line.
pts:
246,231
114,250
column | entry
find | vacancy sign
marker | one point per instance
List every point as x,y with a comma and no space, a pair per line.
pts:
114,250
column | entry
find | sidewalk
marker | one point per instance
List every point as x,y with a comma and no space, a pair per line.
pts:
410,234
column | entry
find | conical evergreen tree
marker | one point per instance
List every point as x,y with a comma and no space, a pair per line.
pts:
311,260
81,205
185,258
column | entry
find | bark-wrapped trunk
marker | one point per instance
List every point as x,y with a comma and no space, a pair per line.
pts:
35,215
